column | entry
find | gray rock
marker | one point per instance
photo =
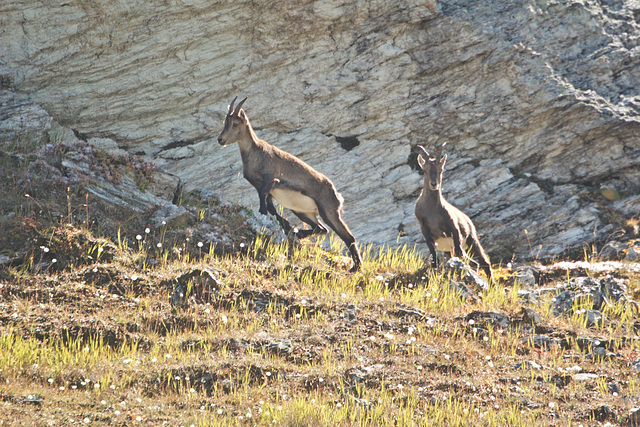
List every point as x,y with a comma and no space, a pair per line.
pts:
524,277
631,256
599,354
584,376
600,292
530,316
461,289
603,413
594,318
544,342
350,313
515,87
467,274
279,347
171,216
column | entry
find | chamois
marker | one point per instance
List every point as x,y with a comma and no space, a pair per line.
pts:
443,225
294,184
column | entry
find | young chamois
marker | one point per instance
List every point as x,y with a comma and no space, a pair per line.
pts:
443,225
294,184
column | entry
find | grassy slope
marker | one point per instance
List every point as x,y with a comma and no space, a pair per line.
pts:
275,335
274,341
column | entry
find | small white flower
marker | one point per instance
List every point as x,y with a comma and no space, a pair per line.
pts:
53,261
147,230
96,385
159,245
138,237
219,411
200,244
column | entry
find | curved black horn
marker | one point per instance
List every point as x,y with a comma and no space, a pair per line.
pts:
237,111
423,151
439,151
231,106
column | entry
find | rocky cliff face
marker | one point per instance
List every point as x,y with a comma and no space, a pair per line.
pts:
538,101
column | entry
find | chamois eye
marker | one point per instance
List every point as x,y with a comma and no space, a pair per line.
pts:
235,125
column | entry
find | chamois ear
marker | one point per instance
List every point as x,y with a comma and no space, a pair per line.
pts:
443,160
421,161
243,116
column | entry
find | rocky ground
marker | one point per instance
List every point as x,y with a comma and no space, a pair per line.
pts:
113,314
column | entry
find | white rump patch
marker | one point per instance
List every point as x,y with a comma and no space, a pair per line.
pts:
445,244
295,200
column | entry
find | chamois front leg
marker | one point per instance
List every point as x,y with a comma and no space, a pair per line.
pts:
286,227
263,193
431,244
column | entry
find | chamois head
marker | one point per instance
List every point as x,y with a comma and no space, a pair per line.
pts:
235,123
432,166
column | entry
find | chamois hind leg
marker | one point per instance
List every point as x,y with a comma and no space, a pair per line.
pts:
478,252
286,227
334,220
316,227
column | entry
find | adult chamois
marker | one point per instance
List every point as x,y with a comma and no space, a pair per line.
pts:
444,226
294,184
